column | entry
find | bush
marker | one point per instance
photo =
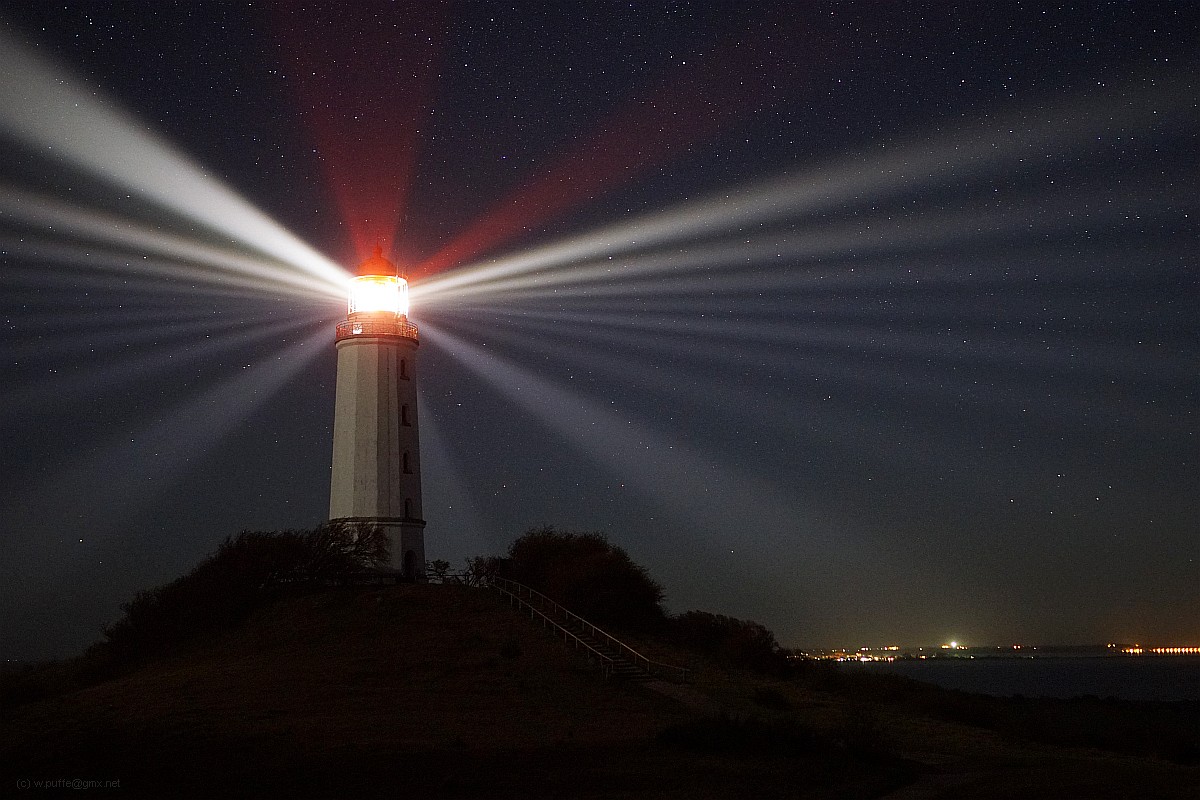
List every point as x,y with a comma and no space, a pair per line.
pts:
438,571
480,570
246,570
587,574
732,642
225,587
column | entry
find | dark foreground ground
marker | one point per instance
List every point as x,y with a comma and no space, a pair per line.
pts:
442,691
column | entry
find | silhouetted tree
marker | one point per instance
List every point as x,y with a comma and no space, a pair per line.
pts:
481,569
586,573
733,642
334,549
245,569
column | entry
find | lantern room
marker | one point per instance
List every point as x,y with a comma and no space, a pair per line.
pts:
376,288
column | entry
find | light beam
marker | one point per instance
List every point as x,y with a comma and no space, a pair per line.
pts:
1011,144
60,115
193,260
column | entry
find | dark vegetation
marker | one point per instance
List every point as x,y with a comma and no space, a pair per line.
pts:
588,574
732,643
583,570
599,580
246,571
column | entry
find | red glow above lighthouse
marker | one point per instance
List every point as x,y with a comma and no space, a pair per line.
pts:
366,130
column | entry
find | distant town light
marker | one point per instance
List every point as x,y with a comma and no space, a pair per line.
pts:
1138,650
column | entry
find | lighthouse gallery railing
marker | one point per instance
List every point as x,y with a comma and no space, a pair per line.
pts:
376,327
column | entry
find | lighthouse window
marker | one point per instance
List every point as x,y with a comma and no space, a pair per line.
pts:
404,418
407,465
408,508
403,368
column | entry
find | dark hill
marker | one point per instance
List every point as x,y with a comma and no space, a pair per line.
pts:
444,691
425,690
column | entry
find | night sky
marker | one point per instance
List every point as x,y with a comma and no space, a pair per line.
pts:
876,323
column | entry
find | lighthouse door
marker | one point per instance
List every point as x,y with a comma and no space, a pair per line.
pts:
410,566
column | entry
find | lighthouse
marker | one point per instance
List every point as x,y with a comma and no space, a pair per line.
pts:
376,455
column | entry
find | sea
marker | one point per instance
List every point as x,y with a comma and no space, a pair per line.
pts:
1166,678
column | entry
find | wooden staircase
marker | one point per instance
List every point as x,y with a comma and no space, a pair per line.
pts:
621,668
618,660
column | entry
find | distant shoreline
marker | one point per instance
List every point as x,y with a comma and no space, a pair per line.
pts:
1134,678
1020,652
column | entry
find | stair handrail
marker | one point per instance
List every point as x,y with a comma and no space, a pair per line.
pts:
606,661
651,667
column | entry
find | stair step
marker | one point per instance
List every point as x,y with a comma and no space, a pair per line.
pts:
620,666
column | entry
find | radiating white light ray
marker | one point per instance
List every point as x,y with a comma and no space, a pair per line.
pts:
447,502
76,264
65,219
69,386
916,302
920,280
802,419
34,322
155,454
796,412
40,343
743,341
888,275
1010,143
711,499
896,234
60,115
922,378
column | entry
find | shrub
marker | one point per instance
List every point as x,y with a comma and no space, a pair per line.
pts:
225,587
732,642
438,570
587,574
480,570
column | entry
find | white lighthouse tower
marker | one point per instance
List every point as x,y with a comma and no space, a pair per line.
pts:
376,455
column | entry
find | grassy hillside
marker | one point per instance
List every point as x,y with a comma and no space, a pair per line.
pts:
443,691
436,690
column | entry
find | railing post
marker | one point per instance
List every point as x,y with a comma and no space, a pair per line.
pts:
514,590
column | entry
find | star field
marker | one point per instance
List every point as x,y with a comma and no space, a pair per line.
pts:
871,322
